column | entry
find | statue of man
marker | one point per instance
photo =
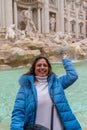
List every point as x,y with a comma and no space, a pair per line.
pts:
30,26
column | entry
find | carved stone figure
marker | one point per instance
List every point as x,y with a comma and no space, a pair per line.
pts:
60,37
30,26
52,23
20,34
68,37
10,33
13,33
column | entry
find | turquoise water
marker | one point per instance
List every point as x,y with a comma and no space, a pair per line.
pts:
76,94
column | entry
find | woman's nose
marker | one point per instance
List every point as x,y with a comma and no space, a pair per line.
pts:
42,66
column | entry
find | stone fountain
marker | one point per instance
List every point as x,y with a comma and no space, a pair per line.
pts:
19,48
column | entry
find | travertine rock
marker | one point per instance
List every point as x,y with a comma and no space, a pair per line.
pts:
22,52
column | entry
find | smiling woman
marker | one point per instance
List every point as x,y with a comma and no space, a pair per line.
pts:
41,68
39,87
40,65
76,95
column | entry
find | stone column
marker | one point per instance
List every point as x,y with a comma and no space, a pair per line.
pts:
57,17
15,13
46,16
77,23
8,12
42,20
84,26
39,20
61,16
68,22
2,13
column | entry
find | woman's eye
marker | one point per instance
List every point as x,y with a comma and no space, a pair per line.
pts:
39,65
45,65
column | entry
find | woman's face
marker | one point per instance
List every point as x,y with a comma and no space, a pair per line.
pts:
41,68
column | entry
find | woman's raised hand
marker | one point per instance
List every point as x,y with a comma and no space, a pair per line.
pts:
64,56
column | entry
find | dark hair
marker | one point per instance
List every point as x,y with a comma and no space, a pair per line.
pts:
32,68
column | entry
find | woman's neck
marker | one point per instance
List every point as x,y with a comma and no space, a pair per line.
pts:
41,79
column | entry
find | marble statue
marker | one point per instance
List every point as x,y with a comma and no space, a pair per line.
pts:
10,33
30,26
61,37
52,23
68,37
13,33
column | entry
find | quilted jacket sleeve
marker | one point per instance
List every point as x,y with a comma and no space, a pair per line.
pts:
71,75
18,114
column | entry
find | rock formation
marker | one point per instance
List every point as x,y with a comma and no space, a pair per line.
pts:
21,52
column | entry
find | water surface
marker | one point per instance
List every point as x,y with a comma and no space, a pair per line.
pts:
76,94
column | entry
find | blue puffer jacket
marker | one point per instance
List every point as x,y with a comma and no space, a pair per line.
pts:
25,107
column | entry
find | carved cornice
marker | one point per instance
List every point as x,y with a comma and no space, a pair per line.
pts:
33,3
29,2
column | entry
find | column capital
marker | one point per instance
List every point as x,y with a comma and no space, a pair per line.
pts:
40,4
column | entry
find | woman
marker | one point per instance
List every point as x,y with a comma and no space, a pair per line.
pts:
38,89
